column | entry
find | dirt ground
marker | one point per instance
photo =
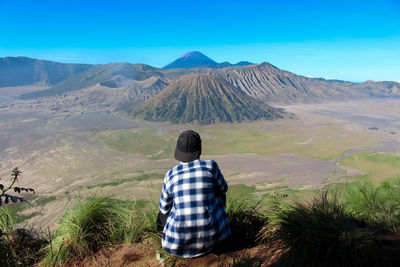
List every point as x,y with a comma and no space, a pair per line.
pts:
145,255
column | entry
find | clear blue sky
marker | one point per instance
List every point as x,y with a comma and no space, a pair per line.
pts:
343,39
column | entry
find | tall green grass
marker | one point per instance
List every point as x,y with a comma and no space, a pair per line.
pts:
330,230
6,227
7,223
379,204
324,232
92,224
245,221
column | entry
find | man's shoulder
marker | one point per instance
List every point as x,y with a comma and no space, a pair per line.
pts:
211,164
186,166
208,163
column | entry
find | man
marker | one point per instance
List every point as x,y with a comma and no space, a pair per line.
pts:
193,198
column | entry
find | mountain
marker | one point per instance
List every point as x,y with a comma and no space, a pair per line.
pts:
196,59
227,64
204,99
273,85
20,71
111,75
137,82
193,59
222,65
243,63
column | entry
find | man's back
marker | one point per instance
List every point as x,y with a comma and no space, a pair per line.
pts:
197,218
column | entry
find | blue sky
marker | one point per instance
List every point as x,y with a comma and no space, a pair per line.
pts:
349,40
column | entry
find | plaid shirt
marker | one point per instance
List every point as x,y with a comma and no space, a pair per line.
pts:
197,218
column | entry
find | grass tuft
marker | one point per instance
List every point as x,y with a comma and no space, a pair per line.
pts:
379,204
91,225
19,247
245,221
324,233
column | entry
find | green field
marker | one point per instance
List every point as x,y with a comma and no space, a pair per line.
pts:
321,142
144,141
144,177
377,166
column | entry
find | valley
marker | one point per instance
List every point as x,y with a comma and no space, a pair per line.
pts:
78,130
82,152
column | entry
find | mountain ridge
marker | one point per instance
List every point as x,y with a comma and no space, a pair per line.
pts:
273,85
99,74
20,71
204,99
135,83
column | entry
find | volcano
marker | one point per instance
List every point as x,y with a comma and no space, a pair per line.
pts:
204,99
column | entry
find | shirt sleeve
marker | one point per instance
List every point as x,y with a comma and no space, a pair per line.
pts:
166,196
221,183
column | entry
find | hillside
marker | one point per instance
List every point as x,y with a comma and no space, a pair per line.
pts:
273,85
19,71
110,75
205,99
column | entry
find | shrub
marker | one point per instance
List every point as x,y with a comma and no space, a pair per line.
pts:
19,247
90,225
324,233
379,204
245,221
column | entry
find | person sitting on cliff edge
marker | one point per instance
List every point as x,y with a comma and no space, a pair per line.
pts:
192,203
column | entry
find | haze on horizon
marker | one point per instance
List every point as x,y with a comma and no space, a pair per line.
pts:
347,40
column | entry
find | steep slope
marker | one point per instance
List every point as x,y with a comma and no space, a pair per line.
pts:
143,90
193,59
19,71
270,84
204,99
111,75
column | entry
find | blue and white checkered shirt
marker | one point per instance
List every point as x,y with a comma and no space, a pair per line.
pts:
197,218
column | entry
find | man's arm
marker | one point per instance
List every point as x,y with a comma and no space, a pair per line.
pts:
165,205
166,198
222,186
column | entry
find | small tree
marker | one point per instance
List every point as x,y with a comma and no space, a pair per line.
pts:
5,197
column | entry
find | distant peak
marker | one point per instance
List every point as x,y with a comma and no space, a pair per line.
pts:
193,59
194,54
196,59
244,63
